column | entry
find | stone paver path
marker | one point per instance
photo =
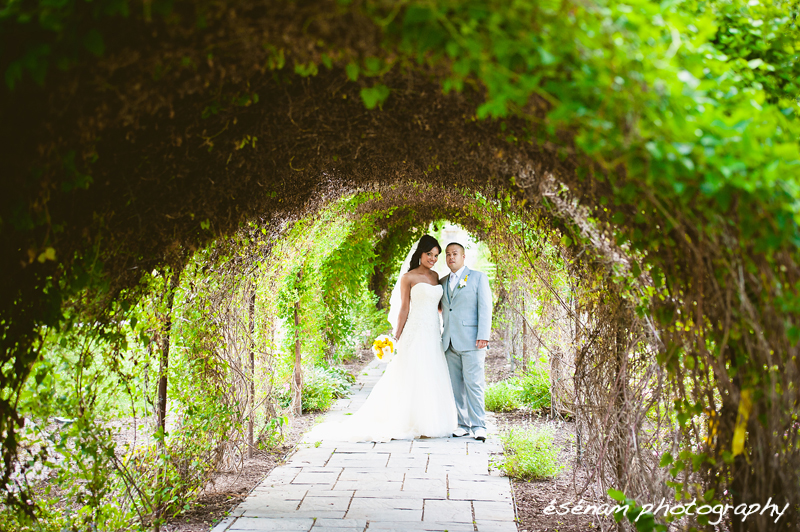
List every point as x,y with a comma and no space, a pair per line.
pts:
425,484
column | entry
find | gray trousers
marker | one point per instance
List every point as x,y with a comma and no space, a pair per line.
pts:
469,382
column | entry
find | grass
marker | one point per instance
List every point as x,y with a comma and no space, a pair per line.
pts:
531,454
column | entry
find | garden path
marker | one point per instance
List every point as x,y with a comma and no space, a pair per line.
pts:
425,484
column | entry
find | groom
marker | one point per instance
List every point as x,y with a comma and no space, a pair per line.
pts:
467,317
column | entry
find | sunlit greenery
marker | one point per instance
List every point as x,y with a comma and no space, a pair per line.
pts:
531,454
647,151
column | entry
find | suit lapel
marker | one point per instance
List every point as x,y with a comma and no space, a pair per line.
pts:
457,289
446,287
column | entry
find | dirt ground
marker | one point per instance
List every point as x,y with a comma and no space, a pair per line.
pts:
228,489
531,498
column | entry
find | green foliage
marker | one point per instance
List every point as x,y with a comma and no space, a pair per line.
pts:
58,40
643,521
684,113
272,436
323,386
375,96
531,454
535,388
531,390
503,396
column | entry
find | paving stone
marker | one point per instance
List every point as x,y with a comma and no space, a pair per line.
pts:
311,457
459,462
316,477
340,523
478,494
493,511
268,504
386,526
223,525
450,511
352,447
311,504
496,526
386,504
265,513
368,485
280,476
359,460
457,481
384,515
336,529
430,494
344,486
425,484
287,493
361,474
448,469
312,514
271,525
394,446
404,461
314,492
447,447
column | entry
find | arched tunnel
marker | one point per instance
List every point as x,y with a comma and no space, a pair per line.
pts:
197,127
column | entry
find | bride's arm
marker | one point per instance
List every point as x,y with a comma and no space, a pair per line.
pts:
405,299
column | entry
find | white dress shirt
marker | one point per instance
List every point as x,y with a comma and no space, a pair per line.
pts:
454,277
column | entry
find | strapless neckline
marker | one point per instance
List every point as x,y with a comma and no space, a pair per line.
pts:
426,284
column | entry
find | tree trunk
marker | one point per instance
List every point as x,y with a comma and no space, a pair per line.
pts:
298,371
164,361
524,338
252,374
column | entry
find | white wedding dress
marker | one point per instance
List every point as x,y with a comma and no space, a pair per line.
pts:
414,397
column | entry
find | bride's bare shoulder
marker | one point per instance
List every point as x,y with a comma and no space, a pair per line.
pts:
407,278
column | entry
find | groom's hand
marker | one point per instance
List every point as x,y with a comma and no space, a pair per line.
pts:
480,344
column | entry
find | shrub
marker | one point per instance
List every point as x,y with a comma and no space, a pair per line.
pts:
535,388
503,396
323,386
531,454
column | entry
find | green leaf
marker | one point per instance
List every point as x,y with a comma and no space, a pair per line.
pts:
374,96
616,495
547,57
665,460
93,42
306,70
13,74
352,70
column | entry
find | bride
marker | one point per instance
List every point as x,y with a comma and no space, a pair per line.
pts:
414,397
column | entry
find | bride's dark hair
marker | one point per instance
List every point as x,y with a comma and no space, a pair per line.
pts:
426,243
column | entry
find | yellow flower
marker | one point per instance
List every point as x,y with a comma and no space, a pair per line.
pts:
383,346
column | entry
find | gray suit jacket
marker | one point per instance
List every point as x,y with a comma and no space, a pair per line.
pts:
467,312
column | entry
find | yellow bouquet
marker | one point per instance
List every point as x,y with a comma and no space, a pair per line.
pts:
383,347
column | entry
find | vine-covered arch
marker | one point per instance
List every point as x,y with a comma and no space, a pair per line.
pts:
664,153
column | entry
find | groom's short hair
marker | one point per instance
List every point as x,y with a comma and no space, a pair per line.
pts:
464,251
